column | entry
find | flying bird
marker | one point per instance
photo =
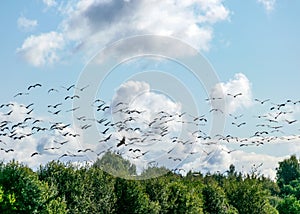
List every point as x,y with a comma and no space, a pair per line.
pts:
20,94
35,153
52,89
234,95
290,121
69,88
239,125
122,142
236,117
34,86
106,139
262,101
81,89
71,97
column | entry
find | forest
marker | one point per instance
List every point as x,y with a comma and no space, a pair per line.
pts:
59,187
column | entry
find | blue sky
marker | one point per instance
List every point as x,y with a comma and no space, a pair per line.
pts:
253,47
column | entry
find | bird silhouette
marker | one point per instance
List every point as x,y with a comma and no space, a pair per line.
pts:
69,88
235,95
262,101
34,86
71,97
122,142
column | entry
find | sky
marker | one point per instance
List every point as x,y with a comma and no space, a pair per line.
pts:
250,48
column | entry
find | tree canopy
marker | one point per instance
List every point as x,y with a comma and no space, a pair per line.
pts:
66,188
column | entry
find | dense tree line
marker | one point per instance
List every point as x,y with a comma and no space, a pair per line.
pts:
65,188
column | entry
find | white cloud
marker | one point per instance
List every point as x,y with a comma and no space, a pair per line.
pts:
26,24
101,22
90,25
268,4
42,49
244,162
50,3
139,96
239,84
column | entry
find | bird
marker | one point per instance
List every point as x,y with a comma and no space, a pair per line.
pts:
213,98
216,110
29,112
81,89
234,95
52,148
122,142
73,109
55,106
8,113
236,117
20,94
71,97
229,151
290,121
55,113
7,150
69,88
61,143
238,125
106,139
35,153
262,101
27,107
34,86
52,89
80,150
105,131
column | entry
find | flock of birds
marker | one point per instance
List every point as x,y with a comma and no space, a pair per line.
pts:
124,129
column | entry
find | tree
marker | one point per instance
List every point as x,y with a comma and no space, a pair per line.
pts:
289,205
183,199
247,196
215,201
132,199
7,201
70,185
288,170
24,192
116,165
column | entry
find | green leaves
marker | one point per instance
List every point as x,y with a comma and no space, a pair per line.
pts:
66,188
289,205
288,170
23,191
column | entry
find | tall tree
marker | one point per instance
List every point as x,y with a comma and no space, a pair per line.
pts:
288,170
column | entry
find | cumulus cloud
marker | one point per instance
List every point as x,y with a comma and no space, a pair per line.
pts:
90,25
138,95
237,93
26,24
102,22
42,49
268,4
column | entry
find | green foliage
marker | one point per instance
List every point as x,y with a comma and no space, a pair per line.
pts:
247,196
7,201
24,192
289,205
215,199
181,199
288,170
66,188
116,165
131,198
